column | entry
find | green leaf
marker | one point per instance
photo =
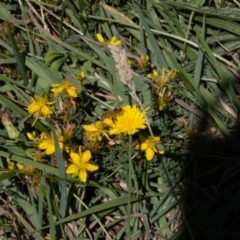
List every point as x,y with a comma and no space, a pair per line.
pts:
42,72
51,56
8,175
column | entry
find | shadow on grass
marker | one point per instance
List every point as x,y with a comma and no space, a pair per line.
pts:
212,185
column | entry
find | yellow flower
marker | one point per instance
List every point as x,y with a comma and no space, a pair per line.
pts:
162,104
162,99
32,136
146,59
82,76
113,40
25,168
11,165
71,90
47,143
172,75
40,106
148,144
139,62
130,62
160,80
143,61
96,131
80,165
153,75
128,122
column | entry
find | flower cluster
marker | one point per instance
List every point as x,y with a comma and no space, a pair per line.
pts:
21,167
126,121
80,161
162,94
42,106
61,108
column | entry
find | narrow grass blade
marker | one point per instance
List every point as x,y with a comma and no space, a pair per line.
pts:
62,175
19,59
199,62
159,56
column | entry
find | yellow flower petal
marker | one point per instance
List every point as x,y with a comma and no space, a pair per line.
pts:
149,154
60,144
90,128
11,165
113,39
20,166
86,156
75,158
130,62
82,74
155,74
144,146
100,37
30,136
44,144
50,150
118,42
108,122
57,91
72,169
95,131
72,91
91,167
83,175
113,131
46,110
33,108
156,139
146,58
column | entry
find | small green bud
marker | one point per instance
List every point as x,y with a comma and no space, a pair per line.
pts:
12,131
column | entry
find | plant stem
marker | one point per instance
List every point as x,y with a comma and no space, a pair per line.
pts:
129,184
